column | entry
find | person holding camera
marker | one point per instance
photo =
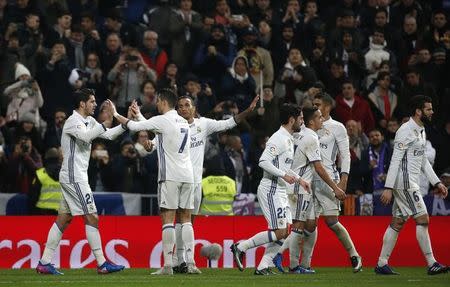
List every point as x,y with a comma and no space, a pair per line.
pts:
22,166
126,78
25,96
128,170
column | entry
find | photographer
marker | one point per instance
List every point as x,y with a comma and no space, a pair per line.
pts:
128,170
99,170
22,166
25,96
127,77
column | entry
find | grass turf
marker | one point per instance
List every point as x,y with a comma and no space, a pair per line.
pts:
223,277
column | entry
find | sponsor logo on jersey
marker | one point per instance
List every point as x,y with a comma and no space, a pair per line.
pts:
324,146
418,152
289,161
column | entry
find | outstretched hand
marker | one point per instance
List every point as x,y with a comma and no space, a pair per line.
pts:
441,190
254,103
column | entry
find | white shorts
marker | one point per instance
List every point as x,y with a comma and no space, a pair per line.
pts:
275,208
325,202
301,206
174,195
77,199
197,198
408,203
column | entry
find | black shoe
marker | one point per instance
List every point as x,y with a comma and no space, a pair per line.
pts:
180,269
238,256
437,268
264,272
356,263
385,270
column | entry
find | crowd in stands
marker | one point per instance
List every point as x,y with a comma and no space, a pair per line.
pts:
371,56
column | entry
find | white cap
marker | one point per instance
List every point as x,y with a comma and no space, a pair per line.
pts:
21,70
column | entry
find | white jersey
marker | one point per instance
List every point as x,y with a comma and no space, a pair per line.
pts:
409,159
276,160
76,139
333,138
307,152
201,128
172,132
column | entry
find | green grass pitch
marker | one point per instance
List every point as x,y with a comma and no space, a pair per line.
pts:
410,277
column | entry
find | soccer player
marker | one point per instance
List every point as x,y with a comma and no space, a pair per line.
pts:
333,141
407,163
276,161
307,159
200,129
78,132
175,175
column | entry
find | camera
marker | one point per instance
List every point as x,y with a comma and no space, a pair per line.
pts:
24,147
131,58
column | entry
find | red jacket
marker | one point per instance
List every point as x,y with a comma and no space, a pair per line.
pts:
159,64
360,112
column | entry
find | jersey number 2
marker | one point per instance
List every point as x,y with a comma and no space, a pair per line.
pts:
183,143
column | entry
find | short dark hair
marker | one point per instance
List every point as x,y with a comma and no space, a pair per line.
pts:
347,81
326,99
418,102
186,96
287,111
308,114
378,30
168,95
381,10
82,95
382,75
376,130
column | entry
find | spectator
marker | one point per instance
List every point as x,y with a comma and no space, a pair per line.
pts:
114,24
25,96
392,127
265,11
335,77
89,28
127,77
383,100
404,8
54,75
9,56
78,48
434,37
99,171
351,106
170,79
320,56
185,31
293,15
157,19
52,137
22,166
60,31
347,23
312,24
265,120
375,163
410,40
423,64
351,57
235,165
237,85
282,47
445,178
30,39
395,82
391,33
45,194
154,56
149,161
110,55
202,95
265,35
128,170
414,85
377,53
214,56
259,59
255,152
148,93
95,76
27,127
358,143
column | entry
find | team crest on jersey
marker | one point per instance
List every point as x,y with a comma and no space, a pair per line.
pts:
272,150
199,129
416,133
400,145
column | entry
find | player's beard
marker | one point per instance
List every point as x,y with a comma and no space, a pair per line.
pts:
425,119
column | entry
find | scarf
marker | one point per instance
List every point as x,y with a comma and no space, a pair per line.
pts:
379,168
78,54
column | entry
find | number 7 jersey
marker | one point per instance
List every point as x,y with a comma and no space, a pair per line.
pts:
173,140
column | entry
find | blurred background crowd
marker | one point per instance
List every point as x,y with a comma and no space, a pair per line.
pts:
371,56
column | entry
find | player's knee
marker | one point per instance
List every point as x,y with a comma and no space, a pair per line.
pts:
281,233
397,224
310,225
423,220
331,221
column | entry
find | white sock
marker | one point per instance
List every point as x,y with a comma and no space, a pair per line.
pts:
93,237
269,254
178,257
187,232
309,241
257,240
294,247
389,240
168,242
423,237
53,238
344,238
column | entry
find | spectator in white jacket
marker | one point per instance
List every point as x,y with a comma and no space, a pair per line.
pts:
25,96
377,53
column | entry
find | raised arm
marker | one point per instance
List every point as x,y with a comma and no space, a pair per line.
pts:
79,131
